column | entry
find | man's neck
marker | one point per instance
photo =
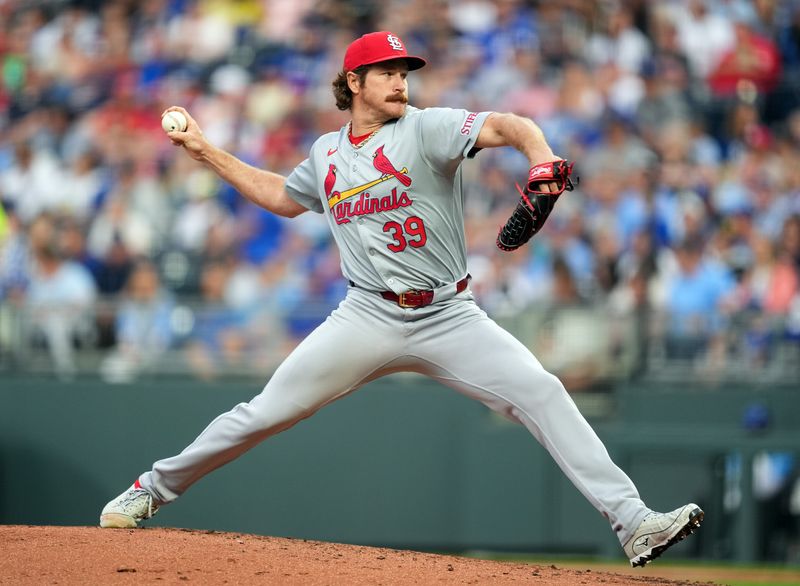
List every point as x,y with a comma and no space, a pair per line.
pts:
357,139
366,120
363,127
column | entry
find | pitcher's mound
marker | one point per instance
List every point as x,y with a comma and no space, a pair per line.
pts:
90,555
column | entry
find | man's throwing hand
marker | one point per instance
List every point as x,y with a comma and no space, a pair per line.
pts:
192,138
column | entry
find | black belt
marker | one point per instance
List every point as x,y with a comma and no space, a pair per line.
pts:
416,298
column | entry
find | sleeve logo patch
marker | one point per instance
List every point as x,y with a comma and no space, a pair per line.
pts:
466,128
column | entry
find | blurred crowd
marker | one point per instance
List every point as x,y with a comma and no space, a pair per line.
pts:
682,239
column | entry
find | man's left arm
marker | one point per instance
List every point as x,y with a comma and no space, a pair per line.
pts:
520,133
549,175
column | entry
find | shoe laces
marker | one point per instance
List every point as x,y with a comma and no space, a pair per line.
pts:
131,499
151,508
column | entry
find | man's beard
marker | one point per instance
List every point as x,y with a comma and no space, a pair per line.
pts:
398,98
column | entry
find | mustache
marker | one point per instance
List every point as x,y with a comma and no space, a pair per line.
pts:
402,98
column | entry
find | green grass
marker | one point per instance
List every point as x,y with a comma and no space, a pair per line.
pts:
759,583
713,571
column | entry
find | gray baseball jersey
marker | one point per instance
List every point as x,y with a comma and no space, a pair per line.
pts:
395,208
395,202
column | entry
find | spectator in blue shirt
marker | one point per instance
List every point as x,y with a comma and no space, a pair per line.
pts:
142,325
695,295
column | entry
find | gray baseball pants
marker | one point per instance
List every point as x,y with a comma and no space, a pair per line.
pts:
479,359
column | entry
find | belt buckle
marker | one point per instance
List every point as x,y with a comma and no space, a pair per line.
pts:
401,299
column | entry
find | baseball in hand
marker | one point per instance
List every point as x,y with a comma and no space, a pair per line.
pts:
173,121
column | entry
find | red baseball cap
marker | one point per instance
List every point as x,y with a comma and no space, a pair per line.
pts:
376,48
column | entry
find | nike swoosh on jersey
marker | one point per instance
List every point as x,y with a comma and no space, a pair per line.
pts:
333,150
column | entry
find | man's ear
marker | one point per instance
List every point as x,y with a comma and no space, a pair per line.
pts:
353,82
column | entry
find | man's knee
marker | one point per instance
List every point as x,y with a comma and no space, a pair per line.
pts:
541,389
273,413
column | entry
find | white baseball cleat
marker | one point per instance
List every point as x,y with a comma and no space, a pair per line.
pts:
659,531
125,511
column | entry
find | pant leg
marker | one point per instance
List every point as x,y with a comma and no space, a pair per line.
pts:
356,343
464,349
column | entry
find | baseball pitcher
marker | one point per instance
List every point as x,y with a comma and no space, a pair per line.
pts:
390,186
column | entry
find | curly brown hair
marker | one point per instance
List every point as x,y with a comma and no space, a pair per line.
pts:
341,91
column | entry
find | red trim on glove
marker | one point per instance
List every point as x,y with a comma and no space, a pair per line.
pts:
547,173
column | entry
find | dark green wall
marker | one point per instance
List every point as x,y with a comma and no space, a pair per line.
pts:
403,462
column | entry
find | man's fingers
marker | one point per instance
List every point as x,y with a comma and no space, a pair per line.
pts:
175,109
547,187
179,137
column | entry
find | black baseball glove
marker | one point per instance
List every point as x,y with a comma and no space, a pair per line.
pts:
534,204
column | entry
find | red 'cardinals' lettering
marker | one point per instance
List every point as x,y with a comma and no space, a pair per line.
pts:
367,204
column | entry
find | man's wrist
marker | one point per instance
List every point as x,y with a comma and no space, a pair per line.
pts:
542,157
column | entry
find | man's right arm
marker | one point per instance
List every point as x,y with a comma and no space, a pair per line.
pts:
264,188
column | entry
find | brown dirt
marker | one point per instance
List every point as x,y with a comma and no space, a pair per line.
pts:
89,555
